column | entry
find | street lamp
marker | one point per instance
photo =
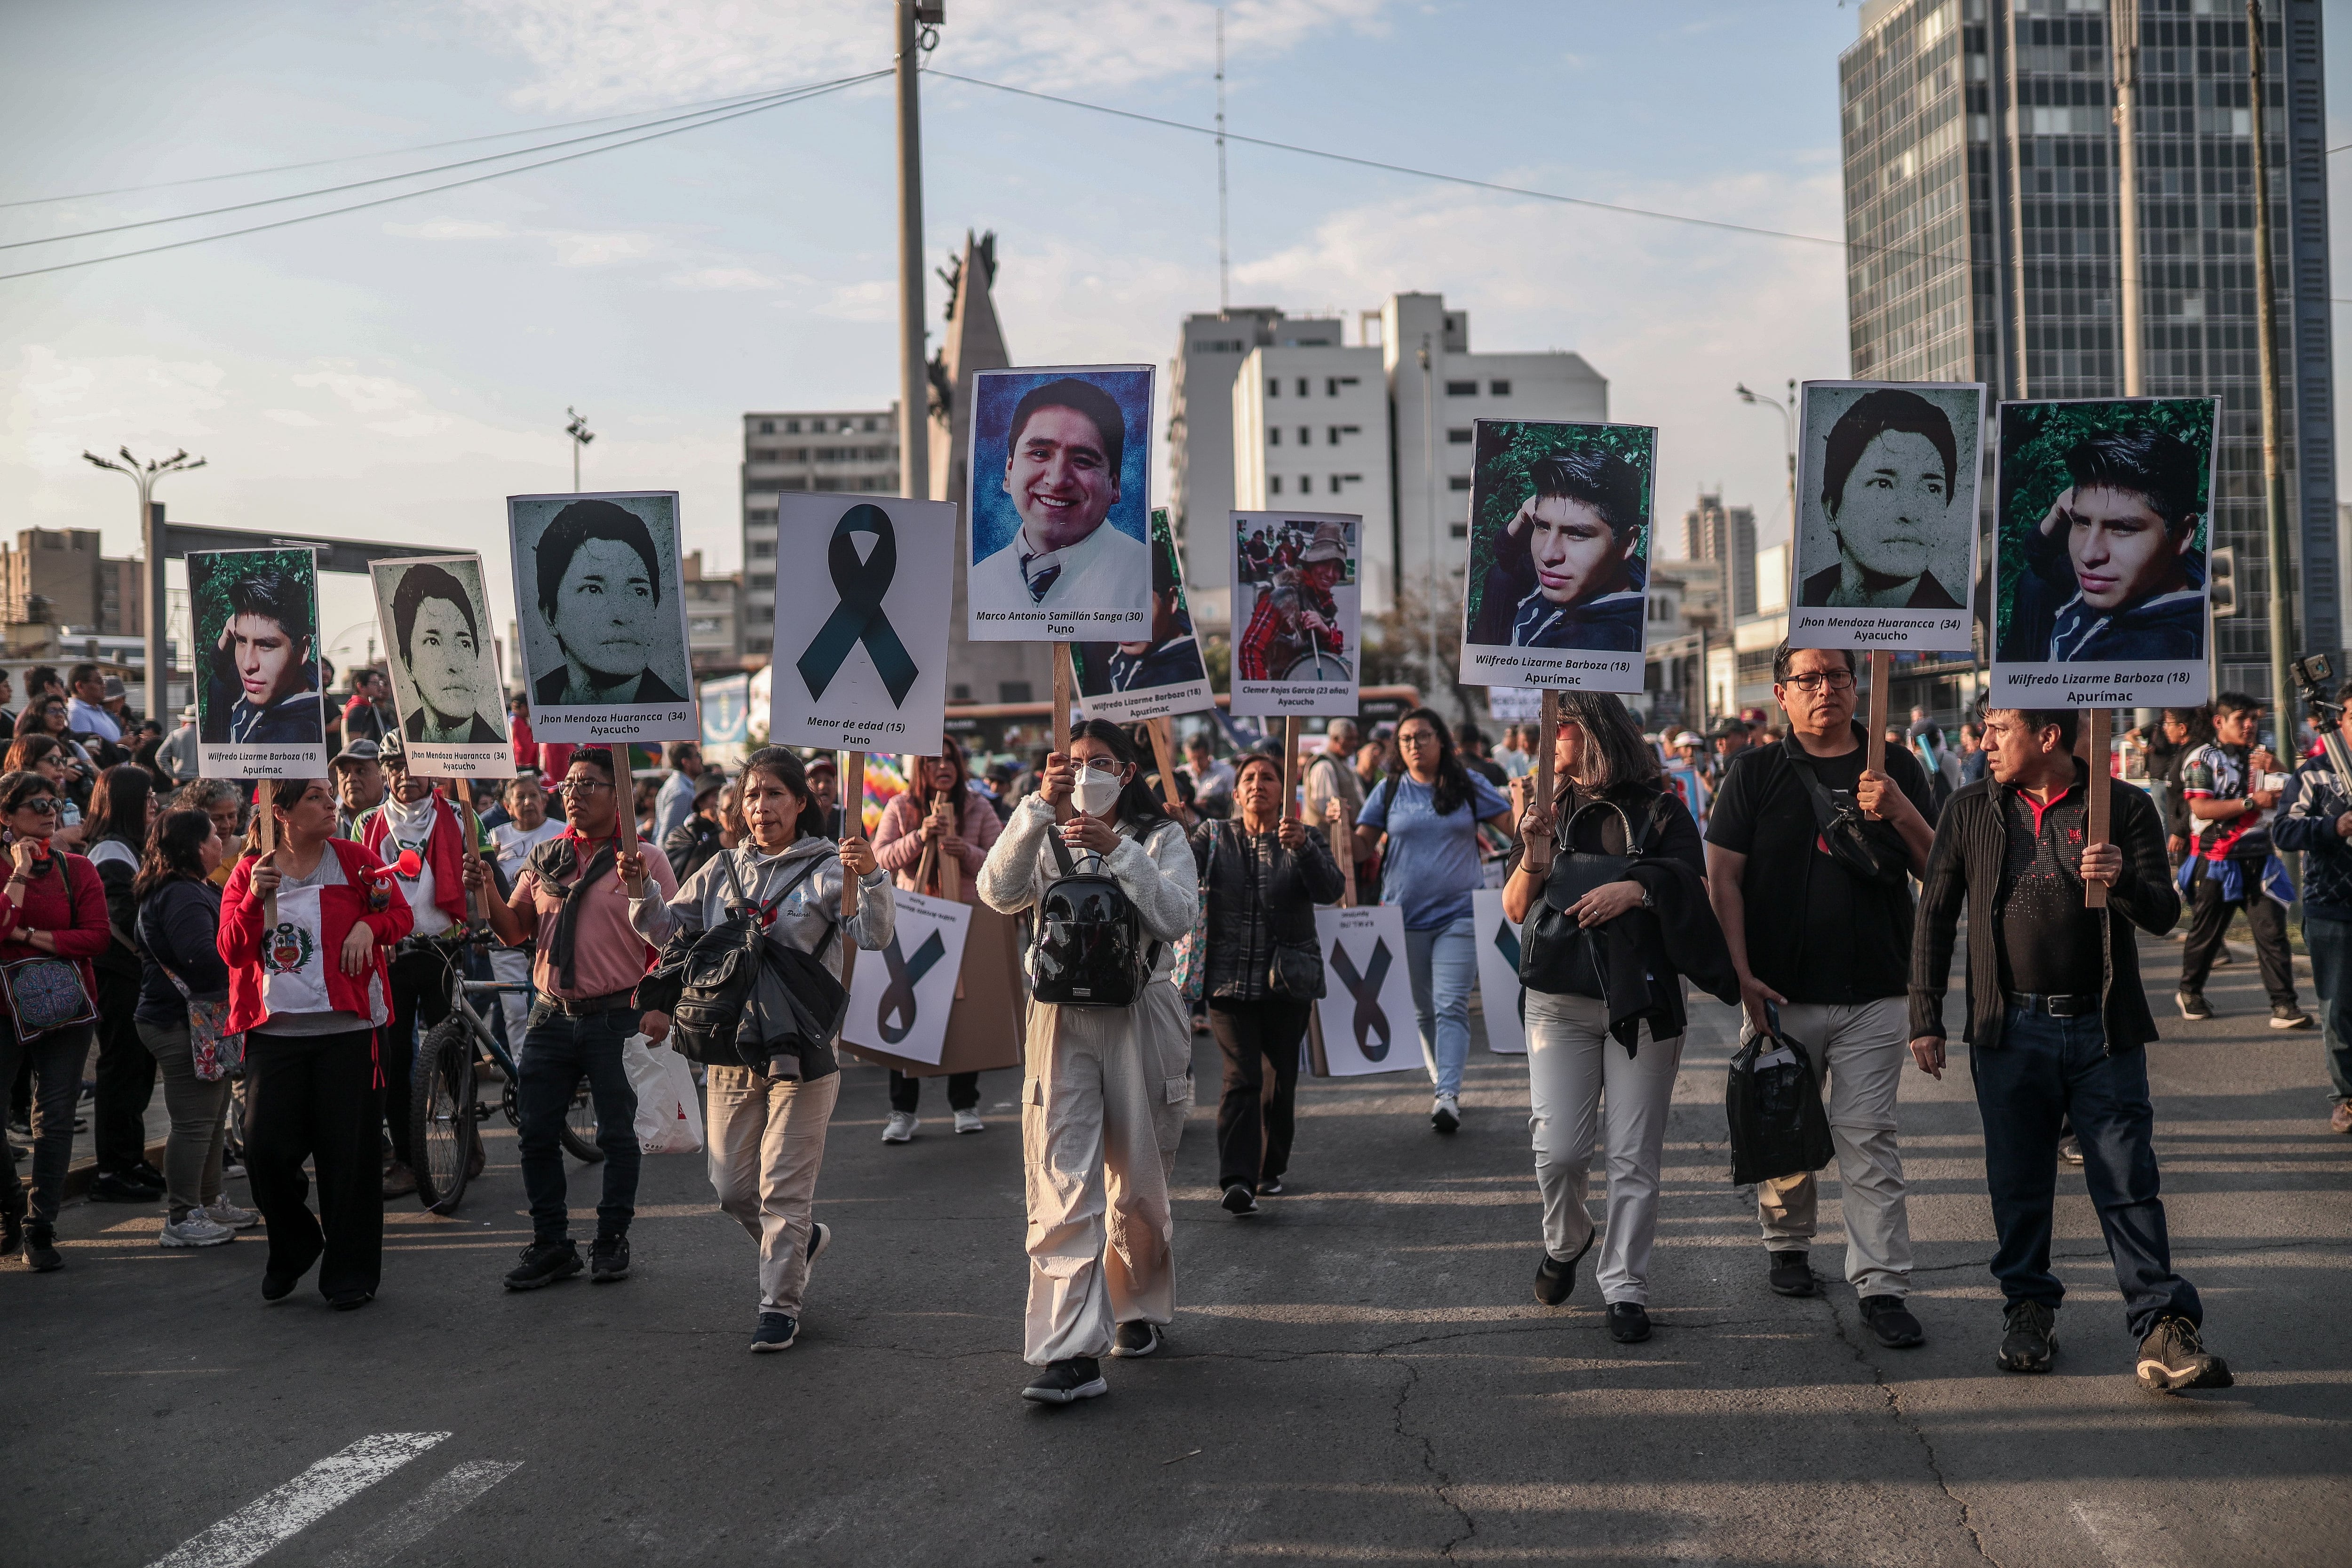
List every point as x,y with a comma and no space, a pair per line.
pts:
580,436
1787,413
151,533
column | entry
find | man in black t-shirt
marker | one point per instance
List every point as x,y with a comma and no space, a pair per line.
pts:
1832,947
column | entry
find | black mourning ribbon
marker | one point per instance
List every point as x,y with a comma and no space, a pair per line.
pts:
859,618
1366,989
899,998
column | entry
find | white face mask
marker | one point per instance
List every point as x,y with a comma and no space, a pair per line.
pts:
1097,792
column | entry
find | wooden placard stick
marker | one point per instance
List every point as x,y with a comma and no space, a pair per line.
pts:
1874,736
1289,768
1163,731
473,846
265,825
2095,894
625,797
1061,738
1346,849
853,826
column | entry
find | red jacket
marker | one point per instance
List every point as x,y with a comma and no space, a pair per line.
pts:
366,895
444,852
80,924
526,746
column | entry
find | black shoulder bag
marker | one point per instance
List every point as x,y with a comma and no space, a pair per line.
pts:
716,973
1089,950
1847,831
1558,956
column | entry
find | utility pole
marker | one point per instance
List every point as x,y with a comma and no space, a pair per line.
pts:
1224,263
151,533
1436,520
2266,319
916,22
2123,32
580,436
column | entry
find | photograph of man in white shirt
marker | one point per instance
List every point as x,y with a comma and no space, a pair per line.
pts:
1066,445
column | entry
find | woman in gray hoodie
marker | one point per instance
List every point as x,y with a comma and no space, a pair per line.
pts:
767,1128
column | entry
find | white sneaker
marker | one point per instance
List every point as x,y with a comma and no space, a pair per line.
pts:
968,1120
196,1229
220,1211
901,1128
1445,1113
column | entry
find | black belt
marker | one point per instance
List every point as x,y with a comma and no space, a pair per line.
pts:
2055,1007
580,1006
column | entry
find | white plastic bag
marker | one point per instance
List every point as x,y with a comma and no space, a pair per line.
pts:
669,1114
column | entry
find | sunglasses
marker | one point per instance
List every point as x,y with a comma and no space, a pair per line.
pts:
45,804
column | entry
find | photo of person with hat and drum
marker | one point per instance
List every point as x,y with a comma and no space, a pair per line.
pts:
1296,630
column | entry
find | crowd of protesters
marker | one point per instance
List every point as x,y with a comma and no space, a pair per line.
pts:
281,992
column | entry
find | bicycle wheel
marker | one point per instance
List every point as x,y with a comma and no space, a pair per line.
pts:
441,1113
580,1124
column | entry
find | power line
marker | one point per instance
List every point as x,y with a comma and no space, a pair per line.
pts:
801,95
763,101
387,153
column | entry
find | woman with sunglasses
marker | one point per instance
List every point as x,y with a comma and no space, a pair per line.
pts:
55,907
1430,813
47,755
1106,1089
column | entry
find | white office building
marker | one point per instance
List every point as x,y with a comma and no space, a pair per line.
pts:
853,451
1310,430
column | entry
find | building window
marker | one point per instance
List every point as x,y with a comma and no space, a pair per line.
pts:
875,424
1273,485
767,427
960,692
1459,530
798,482
1012,692
1331,437
1460,438
756,645
1353,478
1334,484
791,426
763,580
1306,435
1303,391
1499,388
763,549
1460,389
1273,386
1458,482
1273,436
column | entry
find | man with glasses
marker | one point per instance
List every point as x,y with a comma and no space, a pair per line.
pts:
1808,860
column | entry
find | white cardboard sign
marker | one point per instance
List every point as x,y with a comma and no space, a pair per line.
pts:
1498,972
861,631
434,612
1367,1006
899,998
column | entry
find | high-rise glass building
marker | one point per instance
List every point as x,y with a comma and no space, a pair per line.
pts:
1981,217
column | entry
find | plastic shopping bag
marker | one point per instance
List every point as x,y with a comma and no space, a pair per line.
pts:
1774,1106
669,1113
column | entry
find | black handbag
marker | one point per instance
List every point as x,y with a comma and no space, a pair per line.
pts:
710,981
1847,832
1296,968
1556,956
1773,1105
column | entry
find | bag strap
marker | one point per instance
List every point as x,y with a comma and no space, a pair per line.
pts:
1634,841
1062,860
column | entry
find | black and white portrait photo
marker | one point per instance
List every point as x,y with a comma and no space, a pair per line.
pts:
435,621
600,602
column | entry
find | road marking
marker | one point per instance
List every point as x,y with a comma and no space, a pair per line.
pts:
425,1514
2126,1538
287,1510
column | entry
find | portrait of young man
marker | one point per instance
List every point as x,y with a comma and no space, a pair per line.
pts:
261,686
435,630
1172,654
604,596
1061,471
1572,568
2112,570
1891,472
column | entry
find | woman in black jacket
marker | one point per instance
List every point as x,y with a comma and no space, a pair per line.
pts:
1261,874
178,927
120,815
1575,1060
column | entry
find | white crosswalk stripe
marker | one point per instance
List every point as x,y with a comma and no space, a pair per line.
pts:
287,1510
422,1515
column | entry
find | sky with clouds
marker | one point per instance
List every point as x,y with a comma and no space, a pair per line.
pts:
395,373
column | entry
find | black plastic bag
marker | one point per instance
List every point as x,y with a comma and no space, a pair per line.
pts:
1774,1106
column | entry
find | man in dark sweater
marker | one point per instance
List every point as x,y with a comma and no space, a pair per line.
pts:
2316,816
2056,1025
1831,947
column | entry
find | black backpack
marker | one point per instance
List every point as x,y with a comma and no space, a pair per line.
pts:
1089,950
1556,956
709,977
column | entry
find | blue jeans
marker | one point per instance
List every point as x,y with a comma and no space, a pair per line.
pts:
559,1047
1444,963
2044,1071
2330,942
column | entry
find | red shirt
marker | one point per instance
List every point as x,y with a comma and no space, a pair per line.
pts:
554,762
526,750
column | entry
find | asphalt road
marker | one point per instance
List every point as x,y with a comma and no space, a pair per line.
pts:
1360,1373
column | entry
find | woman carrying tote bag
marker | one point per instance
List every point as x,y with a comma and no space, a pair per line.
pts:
1634,890
1261,874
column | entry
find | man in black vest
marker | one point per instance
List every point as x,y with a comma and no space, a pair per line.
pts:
1825,933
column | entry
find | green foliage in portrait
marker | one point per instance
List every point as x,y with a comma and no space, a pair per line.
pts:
208,587
1508,448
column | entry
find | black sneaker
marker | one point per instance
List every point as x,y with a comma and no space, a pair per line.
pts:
278,1287
777,1330
41,1255
2173,1358
1136,1340
2193,1004
1629,1323
608,1259
1790,1275
114,1187
543,1265
2028,1336
1892,1321
12,1234
147,1176
2287,1015
350,1300
1555,1280
1270,1188
819,1237
1067,1382
1240,1200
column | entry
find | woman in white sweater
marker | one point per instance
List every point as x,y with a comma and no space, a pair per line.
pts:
1106,1090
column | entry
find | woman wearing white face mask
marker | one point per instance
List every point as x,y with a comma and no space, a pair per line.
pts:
1108,1087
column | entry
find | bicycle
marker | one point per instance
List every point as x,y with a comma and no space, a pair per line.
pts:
443,1107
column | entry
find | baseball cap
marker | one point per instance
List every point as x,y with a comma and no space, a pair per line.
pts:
360,751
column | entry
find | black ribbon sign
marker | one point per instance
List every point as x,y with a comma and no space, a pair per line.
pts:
1507,942
1366,989
899,998
859,618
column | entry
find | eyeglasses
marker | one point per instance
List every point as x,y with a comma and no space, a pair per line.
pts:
1813,680
1103,765
580,786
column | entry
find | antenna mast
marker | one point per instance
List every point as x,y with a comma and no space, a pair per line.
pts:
1225,264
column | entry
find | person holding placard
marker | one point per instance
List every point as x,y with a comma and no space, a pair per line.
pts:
2315,817
1609,782
1430,815
1107,1088
767,1124
1810,855
1260,876
2057,1027
937,819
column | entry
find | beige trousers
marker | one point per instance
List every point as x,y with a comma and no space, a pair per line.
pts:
1102,1107
1862,1051
766,1138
